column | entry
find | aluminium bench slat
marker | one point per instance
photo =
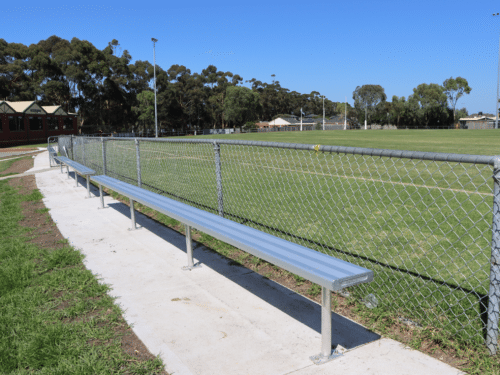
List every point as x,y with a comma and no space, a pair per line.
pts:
260,244
265,242
320,268
73,164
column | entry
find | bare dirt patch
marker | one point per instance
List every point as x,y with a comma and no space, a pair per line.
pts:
20,164
17,149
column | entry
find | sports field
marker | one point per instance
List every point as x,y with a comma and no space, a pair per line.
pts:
424,227
473,142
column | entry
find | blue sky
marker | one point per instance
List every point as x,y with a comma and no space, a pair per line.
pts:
325,46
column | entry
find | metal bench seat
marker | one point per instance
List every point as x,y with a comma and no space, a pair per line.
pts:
52,154
77,167
328,272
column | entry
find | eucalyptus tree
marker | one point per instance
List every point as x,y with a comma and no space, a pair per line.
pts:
14,69
460,113
431,102
116,93
145,110
366,98
51,56
86,68
398,109
216,82
455,88
5,74
241,105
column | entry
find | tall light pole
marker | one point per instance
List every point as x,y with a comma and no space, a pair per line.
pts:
154,69
345,114
498,80
300,118
323,112
366,109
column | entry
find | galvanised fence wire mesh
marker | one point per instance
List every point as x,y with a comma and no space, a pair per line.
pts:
423,222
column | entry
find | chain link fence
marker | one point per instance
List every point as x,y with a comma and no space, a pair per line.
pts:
423,222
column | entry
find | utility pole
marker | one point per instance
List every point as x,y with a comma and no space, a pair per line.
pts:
154,69
366,109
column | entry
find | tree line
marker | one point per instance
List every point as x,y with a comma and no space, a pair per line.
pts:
109,93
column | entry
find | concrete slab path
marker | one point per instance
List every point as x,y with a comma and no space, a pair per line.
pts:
219,319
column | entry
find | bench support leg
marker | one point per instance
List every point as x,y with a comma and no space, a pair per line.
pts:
88,186
61,167
189,250
67,171
326,354
132,215
76,178
101,196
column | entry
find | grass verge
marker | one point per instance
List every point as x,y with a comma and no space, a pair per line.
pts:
55,317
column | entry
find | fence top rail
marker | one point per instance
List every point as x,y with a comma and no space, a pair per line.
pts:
493,160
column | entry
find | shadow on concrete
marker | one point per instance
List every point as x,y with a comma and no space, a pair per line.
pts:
344,331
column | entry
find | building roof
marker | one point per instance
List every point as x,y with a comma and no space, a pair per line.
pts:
33,108
54,110
480,118
23,107
291,120
51,108
337,118
20,106
4,105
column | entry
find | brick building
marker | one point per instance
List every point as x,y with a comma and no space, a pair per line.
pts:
28,122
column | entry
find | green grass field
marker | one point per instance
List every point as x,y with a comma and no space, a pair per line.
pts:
424,227
473,142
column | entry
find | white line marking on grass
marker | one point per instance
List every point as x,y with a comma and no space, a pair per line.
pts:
176,156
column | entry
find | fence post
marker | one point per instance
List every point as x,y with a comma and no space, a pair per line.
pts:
138,157
51,155
494,291
83,151
218,178
104,169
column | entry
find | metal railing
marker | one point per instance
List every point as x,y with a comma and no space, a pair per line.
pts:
427,224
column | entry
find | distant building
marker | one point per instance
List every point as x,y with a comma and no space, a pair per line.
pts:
22,122
293,121
477,122
337,120
262,124
283,121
